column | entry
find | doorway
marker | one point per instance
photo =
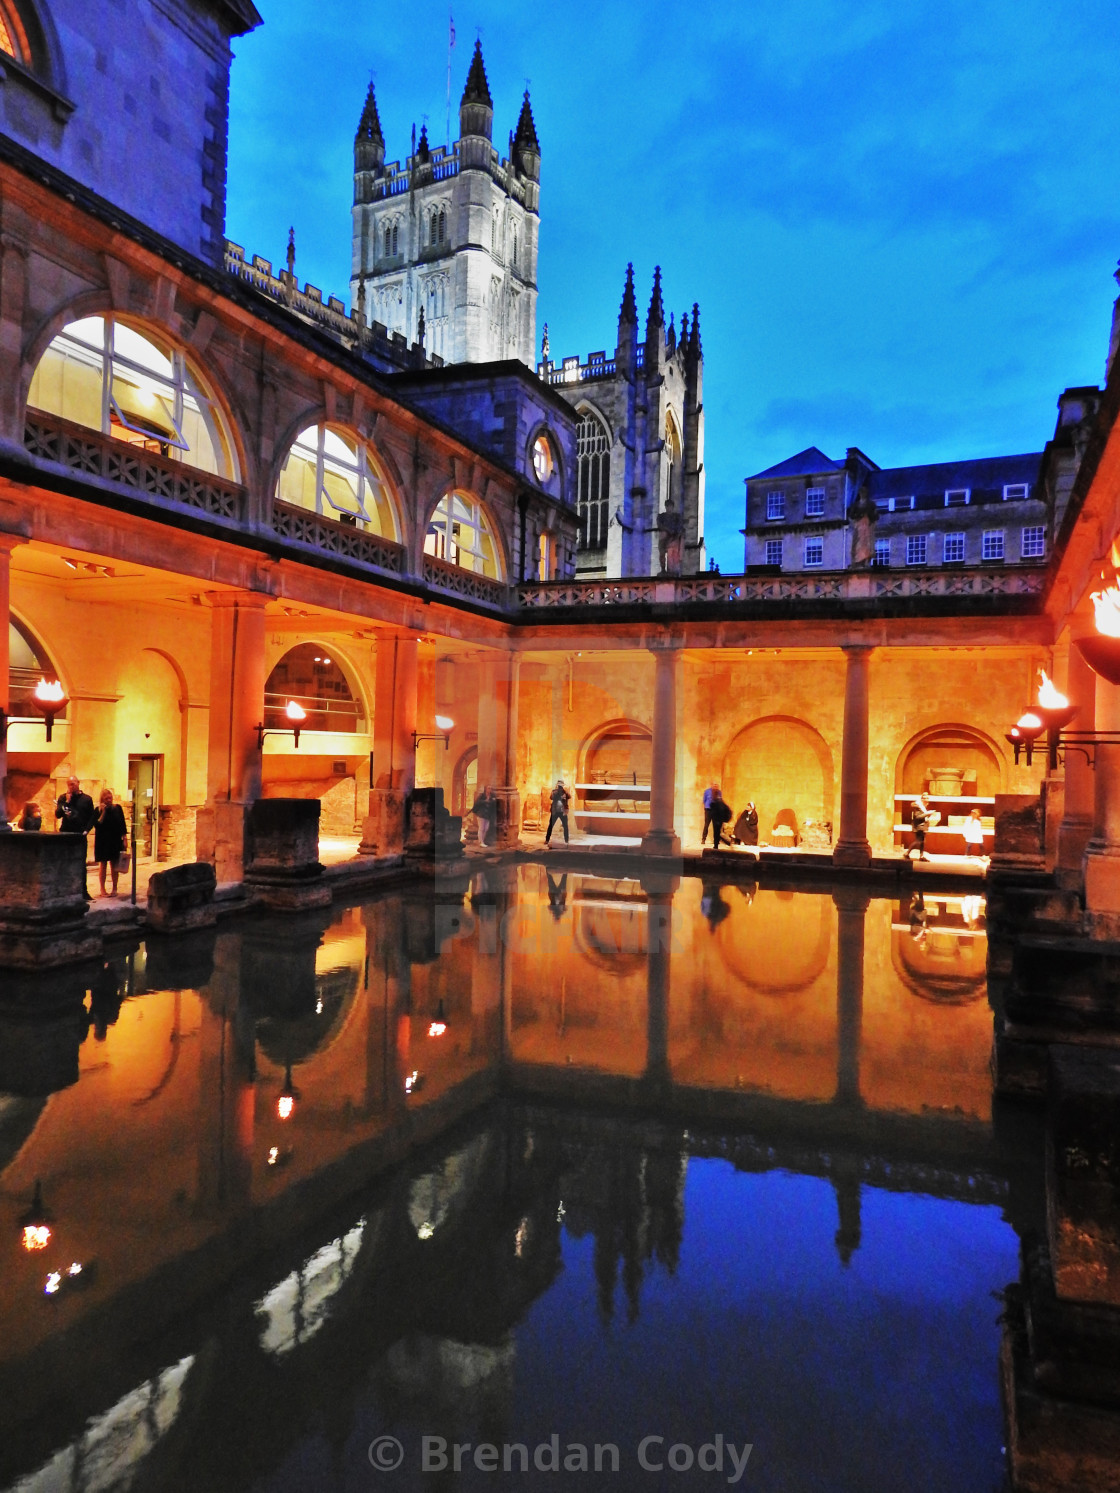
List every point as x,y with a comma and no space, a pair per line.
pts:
143,787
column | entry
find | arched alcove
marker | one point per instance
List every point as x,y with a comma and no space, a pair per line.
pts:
935,757
784,767
316,678
28,662
619,751
464,782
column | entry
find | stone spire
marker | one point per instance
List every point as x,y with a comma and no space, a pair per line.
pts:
656,316
694,347
476,107
628,312
369,142
525,151
684,330
671,337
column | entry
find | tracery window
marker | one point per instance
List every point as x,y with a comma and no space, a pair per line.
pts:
335,473
459,531
593,449
103,374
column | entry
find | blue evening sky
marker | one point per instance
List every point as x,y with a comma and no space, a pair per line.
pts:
900,221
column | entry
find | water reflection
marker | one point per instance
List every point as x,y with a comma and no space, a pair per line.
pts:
774,1032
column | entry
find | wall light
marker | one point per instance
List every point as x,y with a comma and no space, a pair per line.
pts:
296,714
446,726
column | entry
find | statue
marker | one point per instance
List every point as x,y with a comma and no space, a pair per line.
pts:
670,538
862,516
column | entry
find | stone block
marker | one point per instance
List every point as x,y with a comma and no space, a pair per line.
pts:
221,837
383,829
177,832
1018,831
432,832
182,898
43,903
283,867
1083,1173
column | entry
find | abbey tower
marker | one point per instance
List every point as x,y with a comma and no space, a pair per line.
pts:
451,234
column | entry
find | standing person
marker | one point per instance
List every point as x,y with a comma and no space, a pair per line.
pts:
558,810
110,834
710,794
485,810
920,821
75,814
974,834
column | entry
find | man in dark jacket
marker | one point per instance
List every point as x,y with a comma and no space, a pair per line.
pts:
558,802
919,823
75,812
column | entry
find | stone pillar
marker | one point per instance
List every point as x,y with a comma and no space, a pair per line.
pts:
851,916
498,690
662,838
8,543
233,763
852,846
1102,854
394,752
1077,820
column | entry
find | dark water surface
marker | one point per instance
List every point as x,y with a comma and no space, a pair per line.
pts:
608,1172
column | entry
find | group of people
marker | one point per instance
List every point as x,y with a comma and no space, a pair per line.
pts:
718,814
923,819
75,814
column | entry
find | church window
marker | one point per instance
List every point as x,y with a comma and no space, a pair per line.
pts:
396,230
991,545
513,256
814,502
882,552
1033,545
775,506
103,374
774,552
442,227
952,552
543,463
915,549
333,472
388,240
594,455
814,550
459,532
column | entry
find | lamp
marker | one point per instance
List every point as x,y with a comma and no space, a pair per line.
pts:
296,714
446,726
50,699
1101,651
1024,733
1056,712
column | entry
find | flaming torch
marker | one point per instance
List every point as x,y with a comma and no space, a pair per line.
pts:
50,699
1056,713
1024,733
1102,651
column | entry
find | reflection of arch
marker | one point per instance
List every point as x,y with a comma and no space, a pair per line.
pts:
461,532
952,745
132,383
320,680
784,766
618,751
776,946
464,782
297,1036
613,938
948,969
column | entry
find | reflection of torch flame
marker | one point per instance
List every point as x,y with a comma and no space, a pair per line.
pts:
36,1236
1106,607
284,1106
1049,697
437,1028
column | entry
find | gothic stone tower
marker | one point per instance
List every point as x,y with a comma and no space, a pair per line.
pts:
640,440
451,234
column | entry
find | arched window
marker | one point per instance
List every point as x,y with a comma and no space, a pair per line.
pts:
434,235
110,377
672,460
544,463
459,531
396,230
13,38
27,664
593,448
335,473
442,227
388,240
310,676
513,256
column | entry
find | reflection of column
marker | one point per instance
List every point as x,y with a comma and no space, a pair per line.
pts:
1077,820
394,752
226,1092
849,1233
659,958
1102,855
7,544
233,764
852,847
851,917
662,840
389,999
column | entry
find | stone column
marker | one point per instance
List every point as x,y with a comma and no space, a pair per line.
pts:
1077,820
233,763
394,752
498,690
1102,854
851,916
7,544
662,838
852,847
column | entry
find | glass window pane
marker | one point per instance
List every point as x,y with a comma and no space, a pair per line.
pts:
137,349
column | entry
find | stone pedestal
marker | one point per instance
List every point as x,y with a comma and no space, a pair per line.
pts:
283,869
42,902
1018,832
383,829
433,834
221,829
182,898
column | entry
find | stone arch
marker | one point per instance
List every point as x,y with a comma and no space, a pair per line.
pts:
784,766
589,407
338,662
210,385
384,469
45,654
978,755
499,538
620,748
462,792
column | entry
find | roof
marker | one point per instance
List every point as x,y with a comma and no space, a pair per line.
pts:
812,459
932,479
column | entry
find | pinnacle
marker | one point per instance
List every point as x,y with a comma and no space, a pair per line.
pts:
694,342
477,90
526,131
629,308
369,126
656,316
